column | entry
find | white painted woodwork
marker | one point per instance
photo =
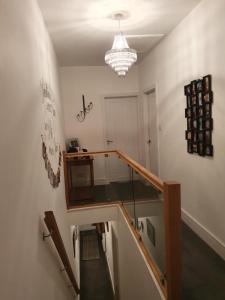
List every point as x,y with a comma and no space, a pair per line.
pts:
189,52
121,133
152,160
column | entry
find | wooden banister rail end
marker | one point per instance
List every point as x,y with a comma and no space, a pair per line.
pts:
172,216
52,226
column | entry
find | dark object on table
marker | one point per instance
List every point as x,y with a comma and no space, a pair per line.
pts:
72,145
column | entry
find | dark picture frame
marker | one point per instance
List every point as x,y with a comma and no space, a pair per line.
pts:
208,97
194,99
195,148
189,135
199,85
189,123
187,90
188,112
209,150
201,111
208,124
200,98
208,110
201,125
201,149
194,111
189,147
189,102
201,136
195,137
193,87
195,124
207,83
208,137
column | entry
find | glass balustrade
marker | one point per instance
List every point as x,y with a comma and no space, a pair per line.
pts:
112,177
149,219
97,178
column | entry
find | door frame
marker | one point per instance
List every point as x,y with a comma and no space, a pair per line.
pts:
145,93
103,105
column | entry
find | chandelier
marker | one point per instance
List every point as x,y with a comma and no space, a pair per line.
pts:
121,57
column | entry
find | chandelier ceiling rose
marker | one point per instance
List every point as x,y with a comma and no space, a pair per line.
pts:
120,15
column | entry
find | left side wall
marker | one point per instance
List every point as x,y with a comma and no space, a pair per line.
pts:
29,268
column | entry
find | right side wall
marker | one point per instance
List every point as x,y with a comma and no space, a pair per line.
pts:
196,47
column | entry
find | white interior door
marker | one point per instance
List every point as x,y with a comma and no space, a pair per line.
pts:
152,160
121,133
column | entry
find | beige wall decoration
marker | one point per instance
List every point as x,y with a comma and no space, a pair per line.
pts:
51,152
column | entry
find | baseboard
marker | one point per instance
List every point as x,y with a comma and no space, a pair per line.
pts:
101,181
214,242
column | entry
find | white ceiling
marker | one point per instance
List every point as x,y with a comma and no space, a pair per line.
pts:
82,30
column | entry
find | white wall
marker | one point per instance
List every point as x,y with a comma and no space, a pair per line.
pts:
28,268
76,259
109,251
94,83
136,281
83,216
194,49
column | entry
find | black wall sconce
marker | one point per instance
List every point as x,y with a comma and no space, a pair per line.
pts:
86,109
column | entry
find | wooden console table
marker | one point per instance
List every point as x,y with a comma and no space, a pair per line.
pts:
77,193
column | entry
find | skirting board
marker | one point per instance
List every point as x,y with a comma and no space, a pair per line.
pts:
207,236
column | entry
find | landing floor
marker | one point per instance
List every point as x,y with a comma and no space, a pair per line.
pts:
95,278
203,275
203,270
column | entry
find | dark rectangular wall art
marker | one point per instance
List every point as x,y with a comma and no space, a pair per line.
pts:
198,112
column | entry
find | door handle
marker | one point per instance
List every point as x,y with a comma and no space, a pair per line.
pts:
108,141
149,142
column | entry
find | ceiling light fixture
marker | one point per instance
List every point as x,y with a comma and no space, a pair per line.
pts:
121,57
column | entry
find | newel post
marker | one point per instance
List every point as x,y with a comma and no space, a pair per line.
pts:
172,217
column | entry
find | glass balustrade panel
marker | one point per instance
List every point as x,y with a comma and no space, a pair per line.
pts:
149,219
99,178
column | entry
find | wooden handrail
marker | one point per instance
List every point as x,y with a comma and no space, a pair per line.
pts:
172,217
153,179
77,154
52,226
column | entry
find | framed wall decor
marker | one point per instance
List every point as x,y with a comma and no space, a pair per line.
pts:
199,99
51,151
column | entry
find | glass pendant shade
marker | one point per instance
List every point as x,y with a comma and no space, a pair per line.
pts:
120,58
